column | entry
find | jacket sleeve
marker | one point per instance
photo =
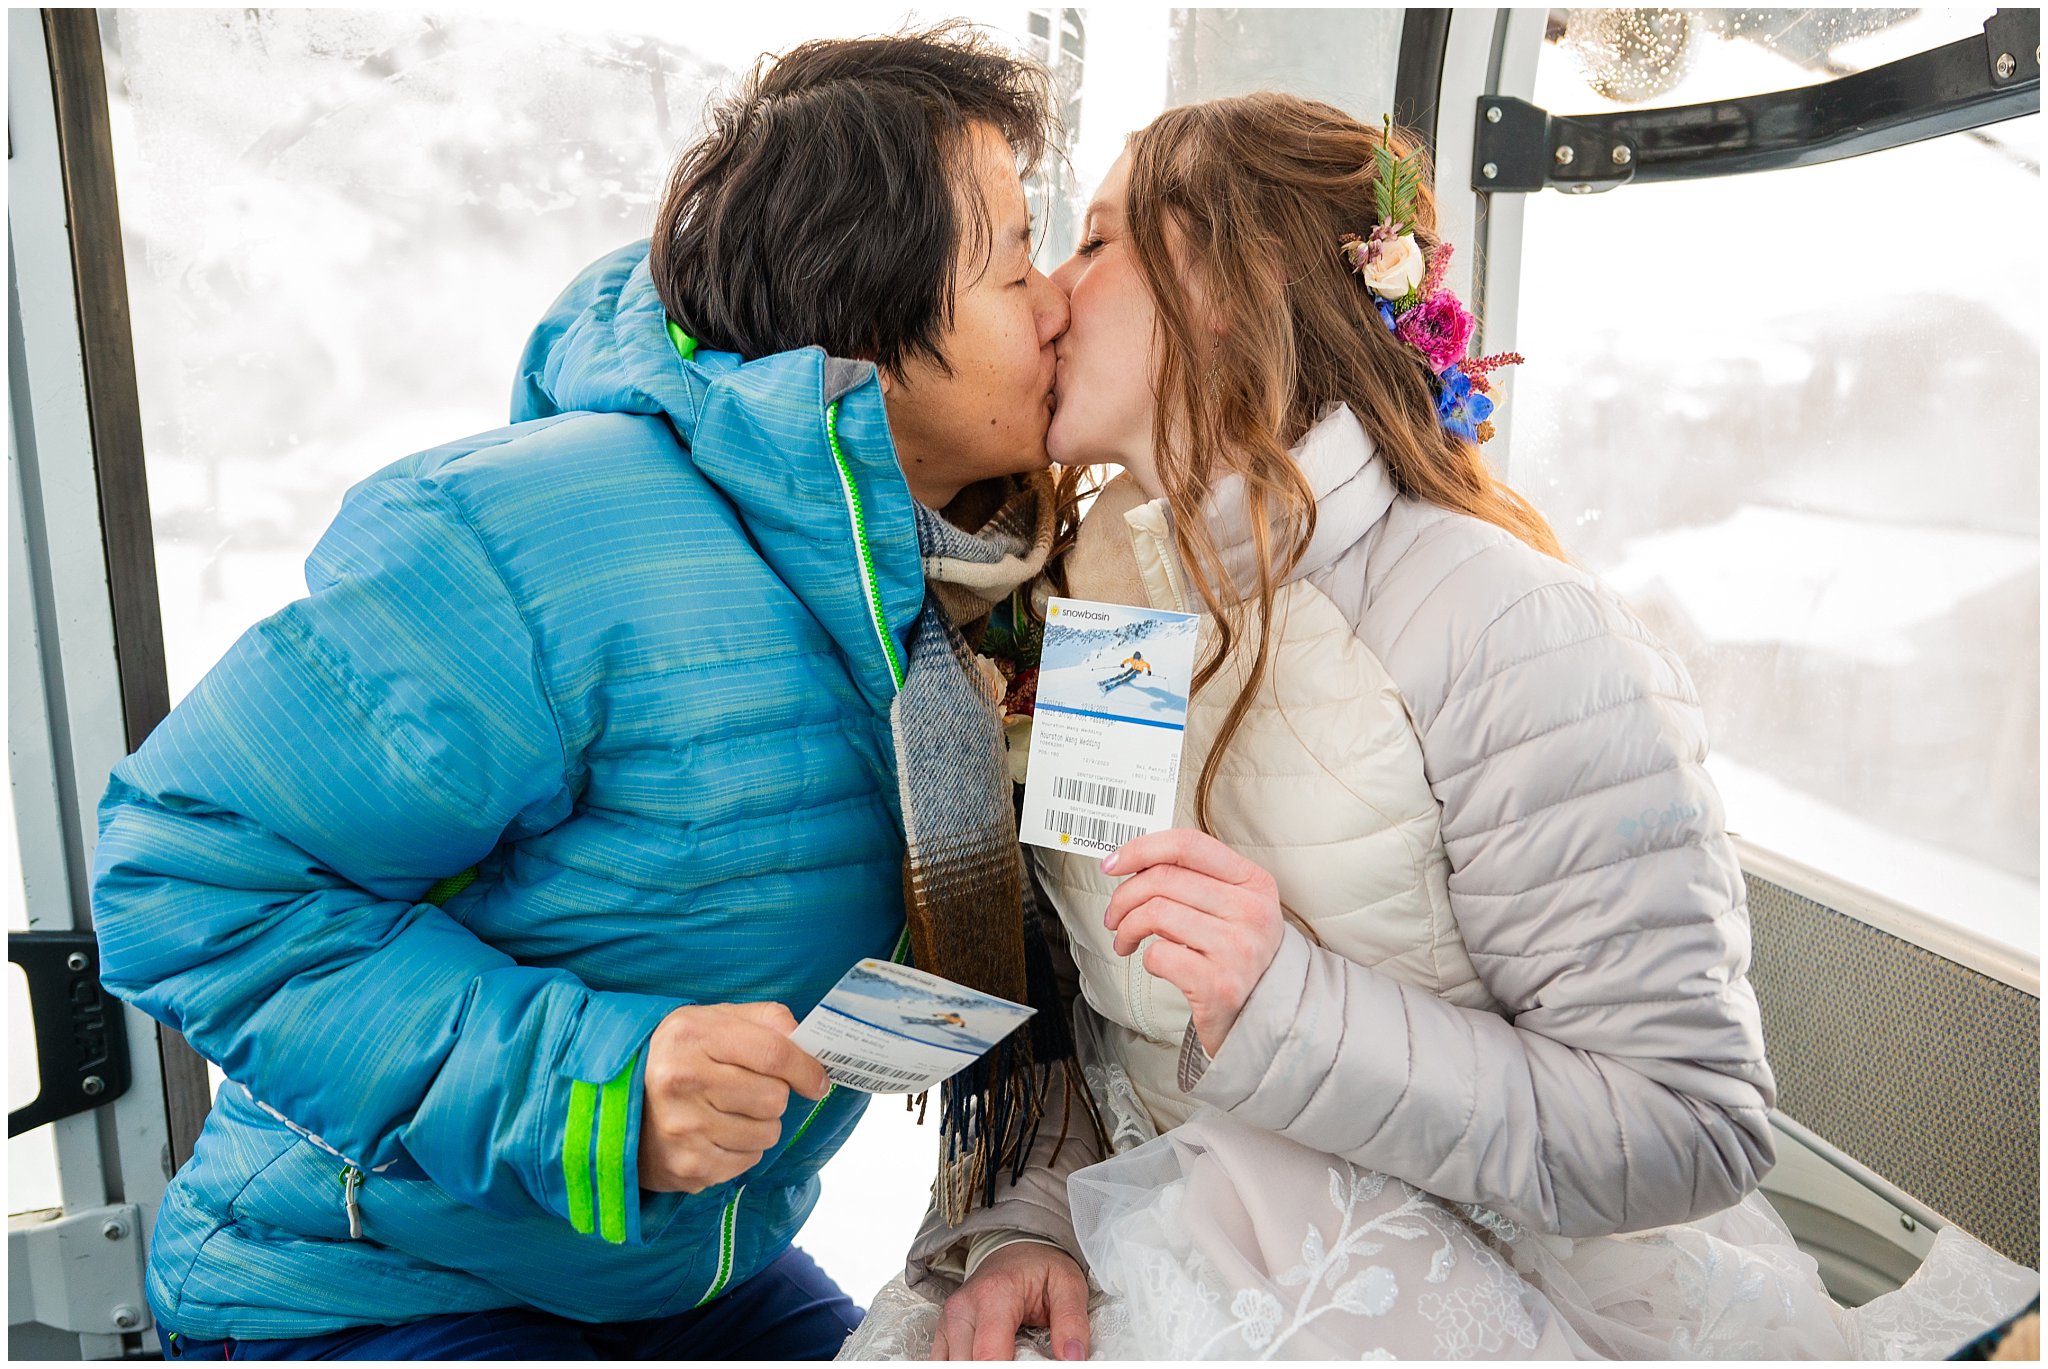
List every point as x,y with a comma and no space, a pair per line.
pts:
1625,1086
262,859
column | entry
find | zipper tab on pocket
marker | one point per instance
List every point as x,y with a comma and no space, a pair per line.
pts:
351,1184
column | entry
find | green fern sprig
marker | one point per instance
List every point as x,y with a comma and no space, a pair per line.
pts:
1397,180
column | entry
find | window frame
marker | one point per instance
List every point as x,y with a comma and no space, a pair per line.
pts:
1511,41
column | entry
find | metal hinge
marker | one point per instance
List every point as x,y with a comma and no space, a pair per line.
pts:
77,1271
1521,148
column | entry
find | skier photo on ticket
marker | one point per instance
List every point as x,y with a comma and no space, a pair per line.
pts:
892,1029
1127,663
1111,714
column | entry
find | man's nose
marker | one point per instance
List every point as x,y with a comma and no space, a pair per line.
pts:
1052,309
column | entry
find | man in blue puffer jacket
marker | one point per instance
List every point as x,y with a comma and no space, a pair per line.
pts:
495,872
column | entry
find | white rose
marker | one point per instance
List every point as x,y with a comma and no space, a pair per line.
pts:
990,676
1395,268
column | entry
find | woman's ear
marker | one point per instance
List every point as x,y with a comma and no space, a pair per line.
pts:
888,381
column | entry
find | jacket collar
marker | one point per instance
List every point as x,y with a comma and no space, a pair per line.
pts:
1352,490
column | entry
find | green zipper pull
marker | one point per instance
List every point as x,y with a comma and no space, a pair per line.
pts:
351,1184
728,1232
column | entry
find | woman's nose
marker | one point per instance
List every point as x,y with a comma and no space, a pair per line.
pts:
1066,273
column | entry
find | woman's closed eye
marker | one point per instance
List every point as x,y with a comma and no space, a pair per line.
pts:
1089,246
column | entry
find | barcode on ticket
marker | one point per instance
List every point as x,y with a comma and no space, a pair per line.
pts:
1106,795
1093,831
869,1077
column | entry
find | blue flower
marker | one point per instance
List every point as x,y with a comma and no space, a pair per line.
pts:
1386,313
1459,407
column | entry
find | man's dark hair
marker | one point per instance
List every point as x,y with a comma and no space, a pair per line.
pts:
825,206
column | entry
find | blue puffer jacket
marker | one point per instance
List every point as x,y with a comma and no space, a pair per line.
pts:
631,658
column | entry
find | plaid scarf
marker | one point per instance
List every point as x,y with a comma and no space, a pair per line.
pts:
972,915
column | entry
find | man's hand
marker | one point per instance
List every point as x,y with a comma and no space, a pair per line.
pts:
1025,1284
718,1082
1216,914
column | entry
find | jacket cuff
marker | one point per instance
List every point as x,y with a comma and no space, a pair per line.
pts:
941,1257
588,1154
1263,1034
1194,1059
989,1242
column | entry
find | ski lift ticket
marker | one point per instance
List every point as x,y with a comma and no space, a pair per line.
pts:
888,1028
1107,730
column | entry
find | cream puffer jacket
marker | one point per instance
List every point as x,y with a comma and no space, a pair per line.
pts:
1578,1047
1322,785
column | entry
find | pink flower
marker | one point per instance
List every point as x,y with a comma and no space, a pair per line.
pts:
1438,327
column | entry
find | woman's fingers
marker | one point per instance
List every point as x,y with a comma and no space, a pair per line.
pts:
1189,971
979,1322
1184,846
1184,886
1066,1296
1213,919
955,1324
1195,928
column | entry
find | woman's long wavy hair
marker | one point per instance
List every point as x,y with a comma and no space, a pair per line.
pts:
1241,202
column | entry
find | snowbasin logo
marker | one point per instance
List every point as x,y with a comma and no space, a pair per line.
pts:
1649,820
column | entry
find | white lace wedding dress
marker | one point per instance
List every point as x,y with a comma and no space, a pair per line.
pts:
1219,1240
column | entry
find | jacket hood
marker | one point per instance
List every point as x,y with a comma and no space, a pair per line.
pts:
798,442
603,347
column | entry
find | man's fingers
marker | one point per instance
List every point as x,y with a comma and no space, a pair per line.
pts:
768,1052
1066,1295
744,1093
742,1135
773,1016
1198,851
694,1165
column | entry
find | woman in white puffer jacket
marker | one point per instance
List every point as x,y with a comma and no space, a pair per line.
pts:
1438,986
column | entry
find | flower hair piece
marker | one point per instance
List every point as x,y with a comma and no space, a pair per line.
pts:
1406,281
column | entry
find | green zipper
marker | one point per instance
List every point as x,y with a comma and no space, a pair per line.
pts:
869,581
728,1220
728,1228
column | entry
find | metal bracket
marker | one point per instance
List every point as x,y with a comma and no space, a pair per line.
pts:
81,1042
1520,148
2012,46
79,1271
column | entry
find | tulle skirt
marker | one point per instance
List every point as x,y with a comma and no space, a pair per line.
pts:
1219,1240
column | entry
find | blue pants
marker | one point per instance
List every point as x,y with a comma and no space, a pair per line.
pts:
790,1310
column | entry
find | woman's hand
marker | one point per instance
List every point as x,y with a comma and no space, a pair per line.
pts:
1027,1283
1217,917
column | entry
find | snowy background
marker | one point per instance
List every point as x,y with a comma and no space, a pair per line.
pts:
1793,417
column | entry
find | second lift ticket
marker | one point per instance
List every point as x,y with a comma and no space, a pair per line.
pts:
1106,735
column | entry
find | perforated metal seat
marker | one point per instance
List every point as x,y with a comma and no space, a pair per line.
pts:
1924,1071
